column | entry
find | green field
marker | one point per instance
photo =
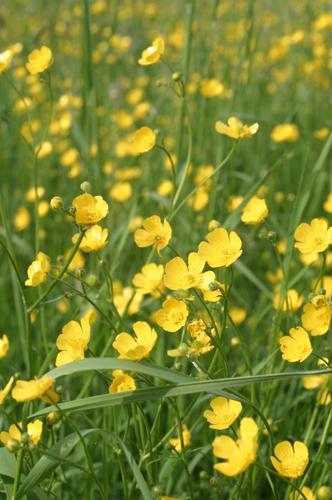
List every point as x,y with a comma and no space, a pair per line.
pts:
165,244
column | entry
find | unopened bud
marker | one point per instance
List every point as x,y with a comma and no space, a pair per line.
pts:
56,203
177,76
85,187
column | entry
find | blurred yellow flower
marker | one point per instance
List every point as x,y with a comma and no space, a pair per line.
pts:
240,454
94,239
22,219
180,276
306,492
121,382
211,87
291,302
328,204
38,270
236,129
150,279
172,316
39,60
6,390
4,346
73,341
224,413
34,431
142,140
290,460
255,211
153,53
238,315
176,443
138,347
316,317
222,249
121,191
296,346
154,233
285,132
89,209
28,390
314,237
5,60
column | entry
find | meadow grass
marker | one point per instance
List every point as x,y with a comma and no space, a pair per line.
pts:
121,101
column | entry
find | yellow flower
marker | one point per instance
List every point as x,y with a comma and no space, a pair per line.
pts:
222,249
121,382
152,54
22,219
316,317
34,431
328,204
255,211
155,233
6,390
307,492
94,239
240,454
224,413
138,347
127,300
172,316
285,132
142,140
321,134
292,302
236,129
121,191
28,390
38,270
150,279
5,60
43,150
89,209
296,346
314,237
180,276
4,346
73,341
39,60
186,440
211,87
290,460
238,315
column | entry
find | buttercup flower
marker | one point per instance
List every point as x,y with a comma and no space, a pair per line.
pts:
89,209
211,87
172,316
255,211
150,279
316,317
290,460
328,204
286,132
34,431
5,60
224,413
307,492
142,140
138,347
127,300
296,346
186,439
28,390
154,233
94,239
291,302
38,270
4,346
180,276
314,237
73,341
236,129
222,249
6,390
121,382
240,454
152,54
39,60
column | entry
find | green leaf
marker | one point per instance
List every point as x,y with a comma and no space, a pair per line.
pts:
141,483
7,463
253,278
90,364
154,393
46,464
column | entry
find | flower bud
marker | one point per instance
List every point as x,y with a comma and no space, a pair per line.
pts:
56,203
85,187
13,445
177,76
53,418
